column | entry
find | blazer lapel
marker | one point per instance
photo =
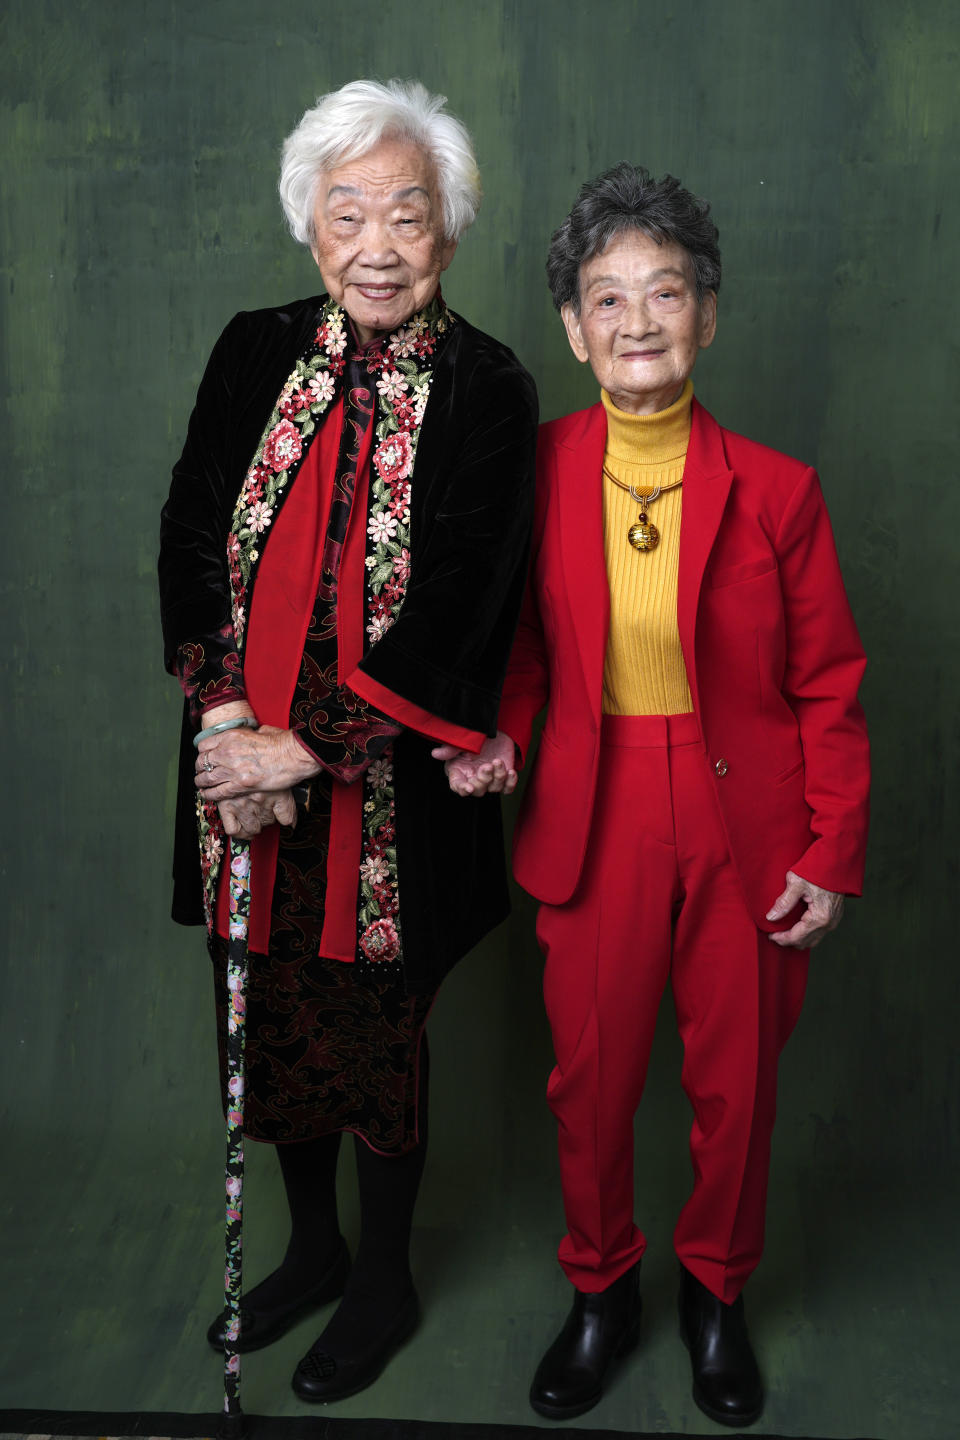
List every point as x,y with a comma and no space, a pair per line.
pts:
706,485
579,460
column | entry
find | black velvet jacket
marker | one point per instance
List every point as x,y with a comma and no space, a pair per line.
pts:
471,512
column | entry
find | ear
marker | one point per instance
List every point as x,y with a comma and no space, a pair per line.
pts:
708,318
314,243
571,323
447,253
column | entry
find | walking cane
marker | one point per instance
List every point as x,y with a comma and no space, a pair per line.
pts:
231,1426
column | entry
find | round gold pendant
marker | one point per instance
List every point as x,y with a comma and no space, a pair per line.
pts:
643,535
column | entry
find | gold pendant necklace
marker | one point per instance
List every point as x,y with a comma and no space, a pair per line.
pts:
643,535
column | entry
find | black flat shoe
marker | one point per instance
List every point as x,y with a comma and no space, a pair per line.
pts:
726,1380
262,1327
600,1329
321,1376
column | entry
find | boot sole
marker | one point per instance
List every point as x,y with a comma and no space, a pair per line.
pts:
723,1417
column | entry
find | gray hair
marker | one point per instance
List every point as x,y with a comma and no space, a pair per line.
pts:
628,198
349,122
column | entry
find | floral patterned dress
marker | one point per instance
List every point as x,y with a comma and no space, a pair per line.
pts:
330,1046
332,1037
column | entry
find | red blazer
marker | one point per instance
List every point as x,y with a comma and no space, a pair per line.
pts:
771,650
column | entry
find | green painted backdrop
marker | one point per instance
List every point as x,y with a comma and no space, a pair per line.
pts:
137,168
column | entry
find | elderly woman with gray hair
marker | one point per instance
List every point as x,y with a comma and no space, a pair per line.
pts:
342,565
698,804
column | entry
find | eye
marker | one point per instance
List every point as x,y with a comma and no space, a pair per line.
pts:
608,301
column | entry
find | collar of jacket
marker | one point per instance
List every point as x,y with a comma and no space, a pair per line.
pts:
707,479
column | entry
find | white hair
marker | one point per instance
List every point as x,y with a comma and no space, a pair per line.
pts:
349,122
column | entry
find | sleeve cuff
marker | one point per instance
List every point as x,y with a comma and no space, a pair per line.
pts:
345,770
412,716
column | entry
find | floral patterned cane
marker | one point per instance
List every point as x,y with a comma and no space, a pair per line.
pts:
232,1425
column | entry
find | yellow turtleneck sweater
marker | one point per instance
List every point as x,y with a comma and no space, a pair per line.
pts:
643,672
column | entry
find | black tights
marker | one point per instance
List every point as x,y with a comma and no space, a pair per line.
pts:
380,1279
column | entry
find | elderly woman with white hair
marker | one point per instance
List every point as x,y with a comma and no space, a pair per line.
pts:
342,564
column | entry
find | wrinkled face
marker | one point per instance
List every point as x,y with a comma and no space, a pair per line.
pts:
640,324
378,228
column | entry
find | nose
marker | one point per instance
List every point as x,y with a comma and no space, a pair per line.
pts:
638,319
379,251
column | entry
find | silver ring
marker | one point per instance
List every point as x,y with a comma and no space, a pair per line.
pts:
208,764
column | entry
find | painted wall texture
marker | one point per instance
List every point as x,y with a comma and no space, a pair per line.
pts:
138,159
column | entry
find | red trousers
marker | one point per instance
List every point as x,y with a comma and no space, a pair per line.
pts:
659,898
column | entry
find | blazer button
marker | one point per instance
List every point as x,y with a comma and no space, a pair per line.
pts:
721,767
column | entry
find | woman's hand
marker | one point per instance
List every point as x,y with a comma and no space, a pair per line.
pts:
823,913
238,764
249,814
489,773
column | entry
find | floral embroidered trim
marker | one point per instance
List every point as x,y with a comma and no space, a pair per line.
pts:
379,912
405,370
211,834
403,367
305,397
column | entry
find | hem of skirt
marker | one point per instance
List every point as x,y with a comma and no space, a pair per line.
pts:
353,1130
340,1130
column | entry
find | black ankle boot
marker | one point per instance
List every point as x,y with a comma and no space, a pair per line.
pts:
726,1380
262,1325
599,1329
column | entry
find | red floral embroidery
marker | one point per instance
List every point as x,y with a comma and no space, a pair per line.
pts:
211,853
386,898
282,447
380,940
394,458
405,414
401,566
190,658
291,405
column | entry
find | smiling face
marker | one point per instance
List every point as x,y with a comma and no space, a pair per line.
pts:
378,227
640,324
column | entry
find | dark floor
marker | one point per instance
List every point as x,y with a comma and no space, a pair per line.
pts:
112,1263
140,1426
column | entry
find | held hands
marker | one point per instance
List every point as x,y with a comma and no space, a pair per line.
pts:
489,773
823,913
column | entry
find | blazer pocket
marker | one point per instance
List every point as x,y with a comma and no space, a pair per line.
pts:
783,776
735,574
